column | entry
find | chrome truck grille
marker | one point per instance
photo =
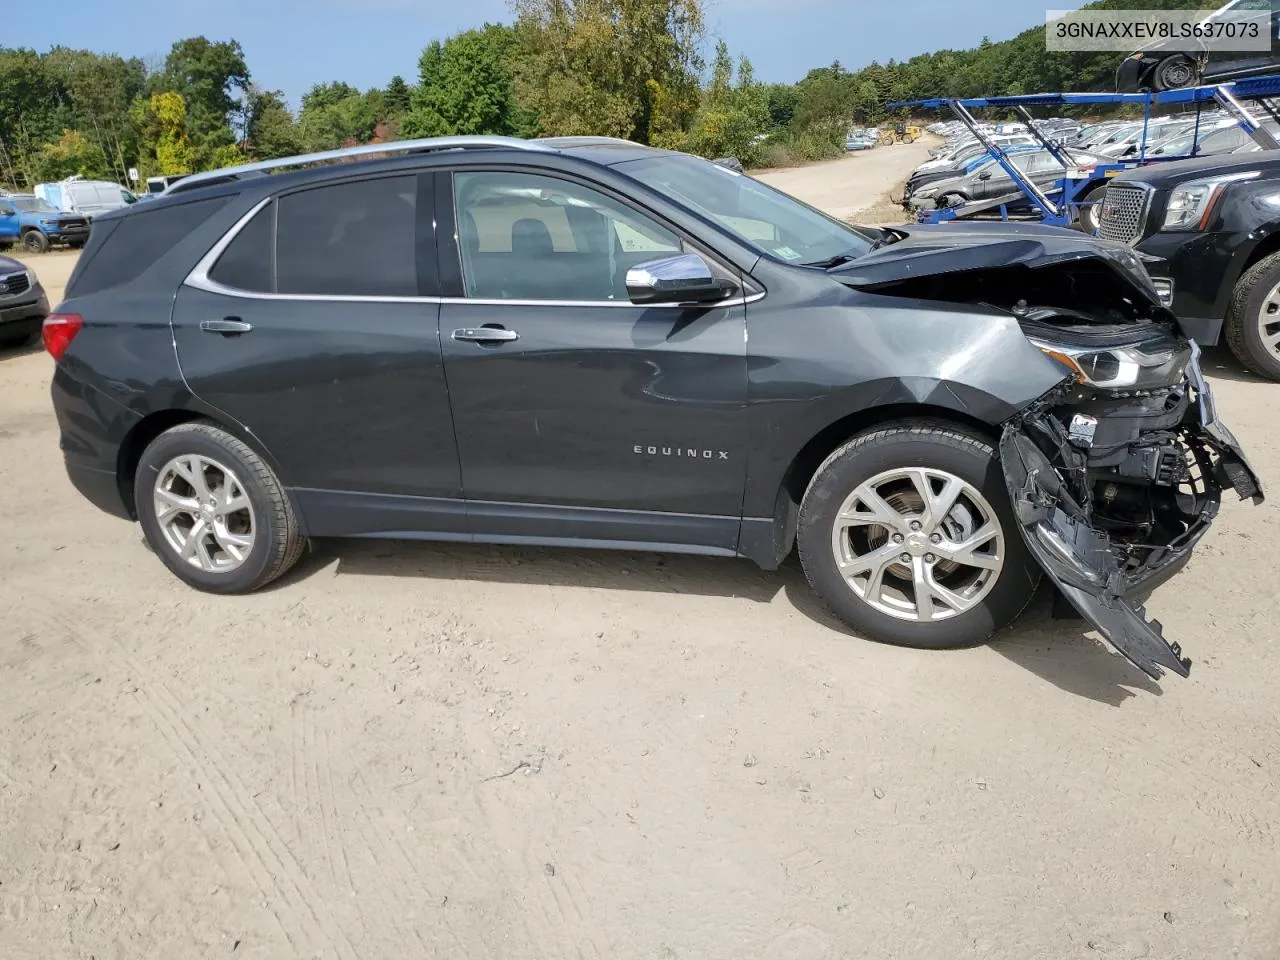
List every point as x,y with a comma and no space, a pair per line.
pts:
1124,213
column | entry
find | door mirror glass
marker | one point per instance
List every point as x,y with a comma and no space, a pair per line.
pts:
685,278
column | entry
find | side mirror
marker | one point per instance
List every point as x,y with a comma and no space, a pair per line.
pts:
684,278
985,175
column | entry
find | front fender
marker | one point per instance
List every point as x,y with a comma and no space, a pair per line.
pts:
887,354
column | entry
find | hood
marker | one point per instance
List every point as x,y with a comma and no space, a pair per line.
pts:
1169,173
9,265
936,250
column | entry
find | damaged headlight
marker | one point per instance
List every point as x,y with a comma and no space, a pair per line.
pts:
1134,367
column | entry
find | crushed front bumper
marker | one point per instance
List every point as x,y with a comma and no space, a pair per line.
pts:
1082,560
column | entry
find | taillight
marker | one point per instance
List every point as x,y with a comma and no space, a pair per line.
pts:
58,331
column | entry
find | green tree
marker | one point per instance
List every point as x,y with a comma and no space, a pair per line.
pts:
465,86
588,67
337,114
270,130
396,98
72,154
212,78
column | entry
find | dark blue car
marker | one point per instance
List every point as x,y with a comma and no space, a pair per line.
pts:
38,224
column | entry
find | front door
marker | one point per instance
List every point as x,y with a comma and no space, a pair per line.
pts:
9,226
313,332
580,415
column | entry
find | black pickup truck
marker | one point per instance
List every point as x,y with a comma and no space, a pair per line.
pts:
1208,230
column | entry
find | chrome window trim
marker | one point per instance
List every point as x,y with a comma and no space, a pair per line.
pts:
199,279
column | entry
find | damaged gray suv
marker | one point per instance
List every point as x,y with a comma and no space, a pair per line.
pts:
591,343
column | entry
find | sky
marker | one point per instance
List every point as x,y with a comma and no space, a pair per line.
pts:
291,44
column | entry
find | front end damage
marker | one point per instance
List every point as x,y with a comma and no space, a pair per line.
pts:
1116,471
1113,489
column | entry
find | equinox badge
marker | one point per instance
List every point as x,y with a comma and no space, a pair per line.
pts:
686,453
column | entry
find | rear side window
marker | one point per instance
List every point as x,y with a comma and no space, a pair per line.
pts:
349,239
246,263
137,241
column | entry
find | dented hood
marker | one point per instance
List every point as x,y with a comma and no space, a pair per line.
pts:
935,250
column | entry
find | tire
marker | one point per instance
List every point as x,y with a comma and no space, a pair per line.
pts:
1087,220
949,200
908,139
268,520
1173,72
33,241
1250,320
995,597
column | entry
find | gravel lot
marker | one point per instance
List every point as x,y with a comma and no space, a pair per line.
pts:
415,750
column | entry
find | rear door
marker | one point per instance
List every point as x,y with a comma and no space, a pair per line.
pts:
316,329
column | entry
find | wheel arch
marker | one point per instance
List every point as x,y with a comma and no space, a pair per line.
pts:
1245,260
142,433
769,541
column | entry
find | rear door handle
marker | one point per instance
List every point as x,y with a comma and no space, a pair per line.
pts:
227,325
485,334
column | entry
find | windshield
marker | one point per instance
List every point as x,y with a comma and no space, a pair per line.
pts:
767,219
33,205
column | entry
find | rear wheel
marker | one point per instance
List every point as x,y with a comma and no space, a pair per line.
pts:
33,241
214,511
1253,319
908,535
1173,72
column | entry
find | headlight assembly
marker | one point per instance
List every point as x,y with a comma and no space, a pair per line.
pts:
1134,367
1191,203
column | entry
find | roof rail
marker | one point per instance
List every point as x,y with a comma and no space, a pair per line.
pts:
424,145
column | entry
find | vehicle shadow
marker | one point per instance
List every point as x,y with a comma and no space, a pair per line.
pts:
1219,363
1064,653
1058,651
17,353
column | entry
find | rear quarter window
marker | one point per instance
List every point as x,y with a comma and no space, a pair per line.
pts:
120,255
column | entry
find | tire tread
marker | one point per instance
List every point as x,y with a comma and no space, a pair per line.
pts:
1237,318
287,543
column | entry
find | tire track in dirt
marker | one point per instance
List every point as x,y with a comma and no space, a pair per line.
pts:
261,850
269,850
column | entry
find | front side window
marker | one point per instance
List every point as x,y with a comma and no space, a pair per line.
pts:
34,205
525,236
769,220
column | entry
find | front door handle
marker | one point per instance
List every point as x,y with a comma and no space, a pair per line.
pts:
485,334
227,325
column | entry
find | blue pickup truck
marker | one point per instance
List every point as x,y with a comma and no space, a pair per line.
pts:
37,224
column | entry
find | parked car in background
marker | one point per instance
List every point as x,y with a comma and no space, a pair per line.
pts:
37,225
85,197
989,180
158,185
23,303
968,149
1176,62
1212,228
596,342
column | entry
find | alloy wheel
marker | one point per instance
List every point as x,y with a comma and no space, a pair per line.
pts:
918,544
204,513
1269,321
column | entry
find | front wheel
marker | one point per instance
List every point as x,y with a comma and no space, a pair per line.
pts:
908,535
1253,318
213,510
33,241
1090,210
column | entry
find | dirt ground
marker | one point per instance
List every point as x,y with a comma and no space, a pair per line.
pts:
416,750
